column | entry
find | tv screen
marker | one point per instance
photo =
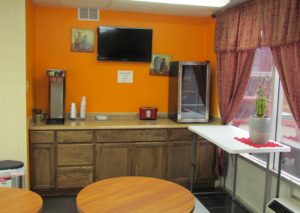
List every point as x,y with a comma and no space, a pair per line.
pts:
124,44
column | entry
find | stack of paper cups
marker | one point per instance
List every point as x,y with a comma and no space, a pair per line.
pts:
82,108
73,111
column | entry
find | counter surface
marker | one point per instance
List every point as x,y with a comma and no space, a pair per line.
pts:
114,124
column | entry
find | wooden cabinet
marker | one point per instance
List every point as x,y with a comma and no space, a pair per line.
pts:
180,159
42,166
205,161
113,160
149,159
180,162
180,156
62,160
74,159
140,152
42,160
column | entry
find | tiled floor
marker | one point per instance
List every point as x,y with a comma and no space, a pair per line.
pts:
219,203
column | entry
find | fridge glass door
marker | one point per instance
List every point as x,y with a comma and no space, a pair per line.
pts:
193,92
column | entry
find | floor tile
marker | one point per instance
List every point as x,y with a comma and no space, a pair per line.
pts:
59,205
220,203
219,200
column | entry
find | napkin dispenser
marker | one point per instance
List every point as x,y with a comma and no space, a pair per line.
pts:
148,113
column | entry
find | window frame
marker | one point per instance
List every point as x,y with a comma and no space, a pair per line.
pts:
277,107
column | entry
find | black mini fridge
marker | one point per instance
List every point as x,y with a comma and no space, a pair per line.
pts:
189,84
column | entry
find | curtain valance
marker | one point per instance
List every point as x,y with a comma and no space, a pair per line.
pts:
238,28
258,23
280,22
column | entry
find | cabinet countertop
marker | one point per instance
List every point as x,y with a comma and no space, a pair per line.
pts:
114,124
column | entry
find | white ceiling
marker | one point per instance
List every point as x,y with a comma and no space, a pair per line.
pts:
134,6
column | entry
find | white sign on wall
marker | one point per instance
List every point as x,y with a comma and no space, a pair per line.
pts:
125,76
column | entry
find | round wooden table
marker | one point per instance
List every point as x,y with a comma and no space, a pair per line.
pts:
135,194
13,200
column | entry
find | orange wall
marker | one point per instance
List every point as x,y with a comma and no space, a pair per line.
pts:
185,38
29,56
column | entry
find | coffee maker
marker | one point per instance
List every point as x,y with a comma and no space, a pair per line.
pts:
57,91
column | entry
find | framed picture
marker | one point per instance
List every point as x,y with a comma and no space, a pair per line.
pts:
82,40
160,64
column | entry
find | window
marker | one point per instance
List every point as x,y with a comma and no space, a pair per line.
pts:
289,134
262,74
284,128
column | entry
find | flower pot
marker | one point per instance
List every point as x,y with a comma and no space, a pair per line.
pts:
259,129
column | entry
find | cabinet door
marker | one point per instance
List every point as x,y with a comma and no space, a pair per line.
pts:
205,161
41,166
149,159
113,160
180,162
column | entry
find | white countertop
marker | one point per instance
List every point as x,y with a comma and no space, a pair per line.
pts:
223,136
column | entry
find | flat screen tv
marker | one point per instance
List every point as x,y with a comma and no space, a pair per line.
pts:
124,44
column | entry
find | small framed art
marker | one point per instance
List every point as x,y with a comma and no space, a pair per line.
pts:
160,64
82,40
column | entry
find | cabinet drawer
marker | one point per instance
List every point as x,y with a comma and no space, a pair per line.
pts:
180,135
41,136
74,177
74,154
125,135
75,136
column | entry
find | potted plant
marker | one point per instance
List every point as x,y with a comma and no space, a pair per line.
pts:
260,124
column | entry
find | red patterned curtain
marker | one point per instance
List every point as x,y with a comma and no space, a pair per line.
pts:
287,61
281,32
236,38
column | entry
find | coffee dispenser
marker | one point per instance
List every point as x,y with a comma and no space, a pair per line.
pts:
57,91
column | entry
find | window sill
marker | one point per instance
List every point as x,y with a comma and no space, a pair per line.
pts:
262,165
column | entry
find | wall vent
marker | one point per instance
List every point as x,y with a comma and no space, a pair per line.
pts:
88,14
283,205
279,207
